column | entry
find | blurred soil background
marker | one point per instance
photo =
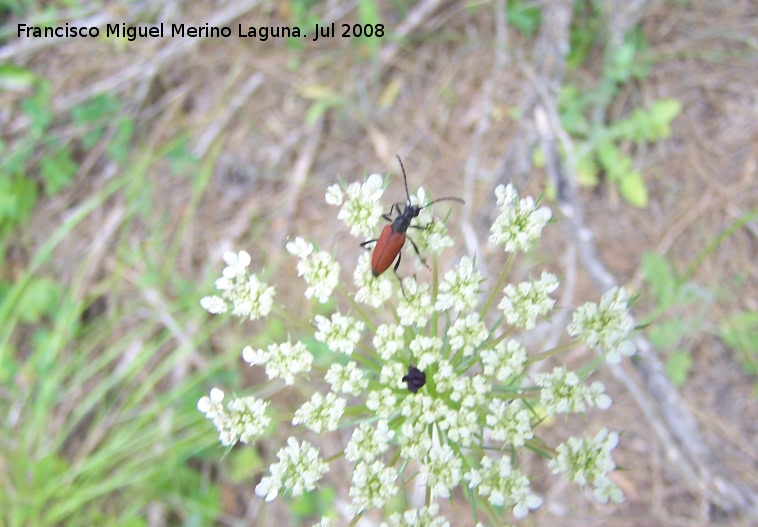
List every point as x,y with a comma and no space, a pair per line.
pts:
127,168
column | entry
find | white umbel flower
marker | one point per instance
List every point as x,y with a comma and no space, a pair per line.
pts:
319,270
373,485
282,361
300,467
341,333
244,293
520,221
320,413
522,304
587,461
605,326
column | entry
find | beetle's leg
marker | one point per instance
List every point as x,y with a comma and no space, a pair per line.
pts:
394,270
418,253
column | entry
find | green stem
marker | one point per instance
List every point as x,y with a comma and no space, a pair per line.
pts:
498,287
550,353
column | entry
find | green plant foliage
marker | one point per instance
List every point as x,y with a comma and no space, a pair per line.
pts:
368,13
40,298
16,78
679,312
678,366
314,504
662,279
524,16
93,116
600,147
58,170
739,331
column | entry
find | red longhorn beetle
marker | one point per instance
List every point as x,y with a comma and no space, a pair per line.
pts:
392,238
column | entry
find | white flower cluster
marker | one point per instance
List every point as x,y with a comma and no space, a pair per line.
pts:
282,361
243,419
587,461
423,517
320,413
562,391
245,294
522,304
605,326
319,270
503,485
361,211
519,223
341,333
300,467
435,384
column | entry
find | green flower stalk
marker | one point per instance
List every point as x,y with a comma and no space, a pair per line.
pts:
432,386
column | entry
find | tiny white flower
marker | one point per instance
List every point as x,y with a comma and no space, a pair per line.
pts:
368,442
334,195
383,403
213,304
282,361
362,210
392,374
562,391
372,290
509,422
522,304
505,360
320,413
341,333
587,461
346,379
300,248
423,517
605,326
246,294
425,350
299,469
389,339
211,406
373,485
467,334
441,470
459,289
503,485
244,419
416,305
520,222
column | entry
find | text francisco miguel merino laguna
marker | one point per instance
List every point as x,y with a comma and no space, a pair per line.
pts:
132,33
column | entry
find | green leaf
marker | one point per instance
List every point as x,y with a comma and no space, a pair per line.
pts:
523,16
659,274
621,63
667,334
739,331
633,189
38,109
118,146
40,298
587,170
16,78
369,16
678,365
58,171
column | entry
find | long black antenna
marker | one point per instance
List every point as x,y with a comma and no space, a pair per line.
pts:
459,200
405,179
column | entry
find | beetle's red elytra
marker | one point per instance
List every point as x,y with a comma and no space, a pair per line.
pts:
392,238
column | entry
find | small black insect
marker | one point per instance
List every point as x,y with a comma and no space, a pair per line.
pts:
415,379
